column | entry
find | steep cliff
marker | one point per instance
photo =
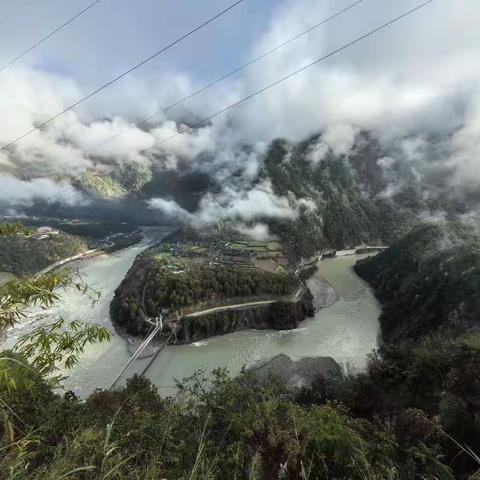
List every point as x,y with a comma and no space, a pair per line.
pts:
278,316
349,196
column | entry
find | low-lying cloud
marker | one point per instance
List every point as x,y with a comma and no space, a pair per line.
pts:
257,203
415,87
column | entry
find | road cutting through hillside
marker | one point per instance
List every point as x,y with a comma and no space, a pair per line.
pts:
261,303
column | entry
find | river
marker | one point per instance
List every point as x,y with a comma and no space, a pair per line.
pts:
347,331
100,363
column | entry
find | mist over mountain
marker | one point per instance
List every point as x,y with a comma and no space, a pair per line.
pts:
399,134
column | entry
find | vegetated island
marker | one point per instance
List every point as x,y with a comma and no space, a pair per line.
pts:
205,285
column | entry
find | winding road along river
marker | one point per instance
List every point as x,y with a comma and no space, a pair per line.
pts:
346,331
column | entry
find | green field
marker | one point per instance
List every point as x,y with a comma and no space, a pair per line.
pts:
163,255
275,246
256,247
270,254
199,249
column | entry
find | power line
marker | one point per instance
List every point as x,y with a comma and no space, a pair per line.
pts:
51,34
258,92
124,74
287,77
224,77
17,10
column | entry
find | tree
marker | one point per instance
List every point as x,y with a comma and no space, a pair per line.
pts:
51,345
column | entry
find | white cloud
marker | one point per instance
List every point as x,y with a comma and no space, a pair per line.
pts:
409,84
26,193
171,209
246,205
338,139
257,231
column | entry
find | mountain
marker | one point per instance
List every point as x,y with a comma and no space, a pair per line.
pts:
427,281
117,182
348,195
365,193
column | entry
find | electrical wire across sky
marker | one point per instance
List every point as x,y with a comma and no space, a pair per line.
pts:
49,35
277,82
290,75
124,74
223,77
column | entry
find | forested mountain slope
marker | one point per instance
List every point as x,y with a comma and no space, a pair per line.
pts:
26,255
351,203
428,280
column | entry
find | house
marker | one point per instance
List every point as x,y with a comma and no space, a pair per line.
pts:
47,231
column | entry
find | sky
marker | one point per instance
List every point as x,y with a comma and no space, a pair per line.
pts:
416,80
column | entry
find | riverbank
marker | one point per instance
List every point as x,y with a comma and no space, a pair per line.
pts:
316,294
346,330
6,277
100,363
121,241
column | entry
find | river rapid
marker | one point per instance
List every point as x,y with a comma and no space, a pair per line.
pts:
346,331
100,363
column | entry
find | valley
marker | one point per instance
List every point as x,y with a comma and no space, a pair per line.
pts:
344,326
239,240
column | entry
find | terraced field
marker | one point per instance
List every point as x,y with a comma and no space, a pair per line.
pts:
267,256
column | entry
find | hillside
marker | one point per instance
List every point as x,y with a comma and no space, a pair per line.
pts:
348,194
26,255
185,276
426,281
115,183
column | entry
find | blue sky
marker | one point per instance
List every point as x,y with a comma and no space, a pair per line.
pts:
117,33
419,77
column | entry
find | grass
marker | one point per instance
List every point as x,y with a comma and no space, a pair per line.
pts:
258,249
198,249
238,246
163,256
249,248
274,246
278,253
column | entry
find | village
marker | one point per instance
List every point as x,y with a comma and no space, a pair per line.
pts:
267,256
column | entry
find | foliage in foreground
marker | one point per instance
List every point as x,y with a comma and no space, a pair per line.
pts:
50,345
15,229
398,421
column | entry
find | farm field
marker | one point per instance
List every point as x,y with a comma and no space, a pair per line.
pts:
266,256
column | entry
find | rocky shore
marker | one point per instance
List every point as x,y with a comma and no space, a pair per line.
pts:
302,373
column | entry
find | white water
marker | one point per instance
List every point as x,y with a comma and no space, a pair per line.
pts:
100,363
346,331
